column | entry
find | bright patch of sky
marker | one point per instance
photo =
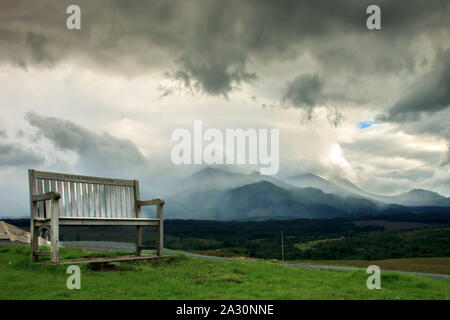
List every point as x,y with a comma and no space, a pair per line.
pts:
367,124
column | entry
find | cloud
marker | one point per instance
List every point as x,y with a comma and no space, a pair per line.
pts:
391,147
305,92
212,78
310,91
98,152
16,156
318,56
445,159
216,44
428,95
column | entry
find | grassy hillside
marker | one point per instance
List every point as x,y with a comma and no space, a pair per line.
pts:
179,277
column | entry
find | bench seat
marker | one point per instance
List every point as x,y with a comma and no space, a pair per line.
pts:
75,221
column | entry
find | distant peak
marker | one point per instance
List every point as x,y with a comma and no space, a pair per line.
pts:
260,184
211,170
417,191
306,175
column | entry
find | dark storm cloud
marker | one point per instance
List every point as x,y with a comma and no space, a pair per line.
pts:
305,91
37,43
214,43
14,155
97,152
429,95
424,109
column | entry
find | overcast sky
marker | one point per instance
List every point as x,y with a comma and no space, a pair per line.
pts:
369,106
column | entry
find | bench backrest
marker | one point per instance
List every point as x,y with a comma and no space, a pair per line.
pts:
85,196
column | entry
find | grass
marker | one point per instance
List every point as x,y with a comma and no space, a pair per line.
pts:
180,277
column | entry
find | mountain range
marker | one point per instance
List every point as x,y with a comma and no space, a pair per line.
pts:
217,194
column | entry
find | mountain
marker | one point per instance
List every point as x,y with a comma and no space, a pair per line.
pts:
216,194
419,197
309,180
414,197
265,200
211,178
350,187
197,196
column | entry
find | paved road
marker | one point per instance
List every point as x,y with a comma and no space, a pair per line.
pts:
125,246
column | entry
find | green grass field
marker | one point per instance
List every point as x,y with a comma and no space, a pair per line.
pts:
180,277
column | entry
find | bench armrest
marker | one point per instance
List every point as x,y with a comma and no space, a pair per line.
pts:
153,202
45,196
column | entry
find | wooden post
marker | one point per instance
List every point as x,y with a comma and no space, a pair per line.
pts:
282,246
54,231
137,210
33,209
160,232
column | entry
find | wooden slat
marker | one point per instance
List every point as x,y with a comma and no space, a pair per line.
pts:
132,202
127,195
61,192
153,202
73,202
96,201
41,204
91,200
79,199
124,204
46,196
102,200
54,189
102,260
48,204
53,186
137,198
108,200
85,200
66,200
80,178
76,221
118,207
113,202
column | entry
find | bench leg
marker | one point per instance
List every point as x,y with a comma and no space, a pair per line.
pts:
160,231
54,232
138,240
34,241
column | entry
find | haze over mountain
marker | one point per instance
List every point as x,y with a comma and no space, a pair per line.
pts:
222,195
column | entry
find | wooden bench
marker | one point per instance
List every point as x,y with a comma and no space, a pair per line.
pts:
58,199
